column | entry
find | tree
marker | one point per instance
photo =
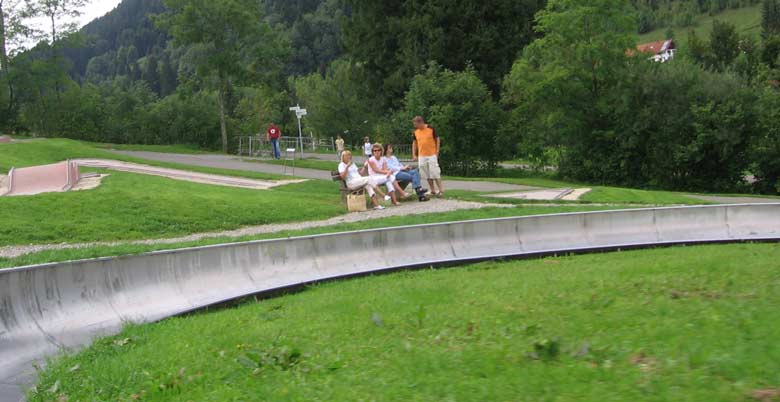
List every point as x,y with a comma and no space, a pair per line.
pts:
770,18
396,39
12,30
724,44
233,38
338,103
563,89
56,11
461,109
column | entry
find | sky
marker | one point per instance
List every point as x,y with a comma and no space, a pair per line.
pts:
95,9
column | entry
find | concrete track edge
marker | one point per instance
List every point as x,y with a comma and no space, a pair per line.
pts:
48,308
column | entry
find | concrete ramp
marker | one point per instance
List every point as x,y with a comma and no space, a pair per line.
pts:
56,177
48,307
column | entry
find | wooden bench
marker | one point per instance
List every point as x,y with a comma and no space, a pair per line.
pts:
345,190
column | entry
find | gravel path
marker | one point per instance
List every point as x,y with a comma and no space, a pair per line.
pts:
235,163
734,200
406,209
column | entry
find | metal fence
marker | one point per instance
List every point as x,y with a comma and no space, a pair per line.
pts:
258,146
254,145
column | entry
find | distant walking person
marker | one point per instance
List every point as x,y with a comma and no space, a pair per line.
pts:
273,134
426,147
339,145
367,148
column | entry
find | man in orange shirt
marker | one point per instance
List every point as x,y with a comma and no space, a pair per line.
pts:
426,146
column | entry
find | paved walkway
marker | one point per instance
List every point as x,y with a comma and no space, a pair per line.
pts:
236,163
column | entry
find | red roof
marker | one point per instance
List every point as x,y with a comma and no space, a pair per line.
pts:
656,47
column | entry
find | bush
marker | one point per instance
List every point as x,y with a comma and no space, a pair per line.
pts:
460,107
765,149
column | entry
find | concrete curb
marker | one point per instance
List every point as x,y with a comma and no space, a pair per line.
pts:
46,308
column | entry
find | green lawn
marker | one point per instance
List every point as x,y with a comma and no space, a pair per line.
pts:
130,206
460,215
692,323
599,194
45,151
747,20
171,149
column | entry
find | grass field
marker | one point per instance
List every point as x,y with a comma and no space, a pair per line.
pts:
43,151
598,194
747,20
693,324
131,206
171,149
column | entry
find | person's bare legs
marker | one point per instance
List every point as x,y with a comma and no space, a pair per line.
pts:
399,190
432,186
374,201
441,188
395,198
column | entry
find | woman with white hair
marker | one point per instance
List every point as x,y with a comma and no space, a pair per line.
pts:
351,175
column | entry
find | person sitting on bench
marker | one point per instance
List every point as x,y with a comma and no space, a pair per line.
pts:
351,175
404,173
377,169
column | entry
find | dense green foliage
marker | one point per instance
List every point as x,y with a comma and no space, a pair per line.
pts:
694,123
460,107
694,324
654,14
575,99
396,39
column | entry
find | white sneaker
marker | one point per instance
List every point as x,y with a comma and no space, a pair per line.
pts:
379,208
387,198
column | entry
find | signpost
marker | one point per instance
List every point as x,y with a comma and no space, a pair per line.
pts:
299,113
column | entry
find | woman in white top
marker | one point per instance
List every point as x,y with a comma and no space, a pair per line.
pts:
351,175
377,169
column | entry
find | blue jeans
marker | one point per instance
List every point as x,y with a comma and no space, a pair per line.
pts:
409,175
275,147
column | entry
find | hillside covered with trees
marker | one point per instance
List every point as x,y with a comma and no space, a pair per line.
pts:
548,81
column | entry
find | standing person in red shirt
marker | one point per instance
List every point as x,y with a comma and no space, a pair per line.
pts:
273,134
426,146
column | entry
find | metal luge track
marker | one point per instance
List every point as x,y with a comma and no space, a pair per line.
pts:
45,308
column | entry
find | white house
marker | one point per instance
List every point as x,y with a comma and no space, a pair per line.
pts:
661,51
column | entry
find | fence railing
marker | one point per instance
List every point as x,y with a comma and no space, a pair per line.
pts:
254,145
258,146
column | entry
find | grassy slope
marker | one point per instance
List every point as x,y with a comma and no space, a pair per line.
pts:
39,152
171,149
694,324
130,206
603,194
747,20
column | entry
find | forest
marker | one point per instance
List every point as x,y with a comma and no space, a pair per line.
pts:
551,82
